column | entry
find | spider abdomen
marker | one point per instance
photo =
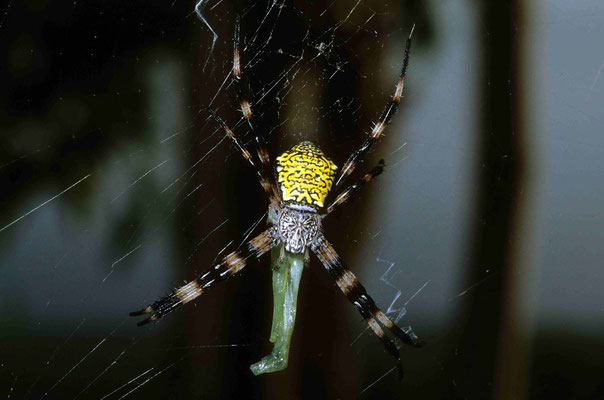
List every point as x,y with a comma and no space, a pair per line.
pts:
305,175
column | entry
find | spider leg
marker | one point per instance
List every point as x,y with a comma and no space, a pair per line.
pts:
356,293
244,94
383,121
227,267
265,182
350,190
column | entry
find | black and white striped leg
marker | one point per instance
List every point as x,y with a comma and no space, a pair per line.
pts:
227,267
265,181
378,128
356,293
350,190
244,94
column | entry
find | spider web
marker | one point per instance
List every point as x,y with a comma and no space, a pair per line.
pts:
121,187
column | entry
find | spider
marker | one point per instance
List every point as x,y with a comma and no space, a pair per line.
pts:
304,177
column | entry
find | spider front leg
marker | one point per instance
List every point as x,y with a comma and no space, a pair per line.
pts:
356,293
227,267
381,124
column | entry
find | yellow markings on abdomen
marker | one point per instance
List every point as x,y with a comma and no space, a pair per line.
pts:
305,175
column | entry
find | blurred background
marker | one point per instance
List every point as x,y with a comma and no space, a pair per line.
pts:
483,234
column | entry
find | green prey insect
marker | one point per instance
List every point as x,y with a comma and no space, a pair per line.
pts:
304,178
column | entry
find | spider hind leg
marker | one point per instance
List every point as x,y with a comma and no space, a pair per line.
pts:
352,189
377,130
244,94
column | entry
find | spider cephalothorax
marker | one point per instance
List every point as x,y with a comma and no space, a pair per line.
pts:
298,229
304,178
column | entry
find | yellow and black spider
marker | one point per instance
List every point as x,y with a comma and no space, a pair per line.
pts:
304,177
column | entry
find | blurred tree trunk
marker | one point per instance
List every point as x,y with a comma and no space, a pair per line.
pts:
500,176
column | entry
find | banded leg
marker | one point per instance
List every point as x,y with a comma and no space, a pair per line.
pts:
381,124
265,182
356,293
246,110
350,190
227,267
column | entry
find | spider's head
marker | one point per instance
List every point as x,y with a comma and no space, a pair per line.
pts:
298,229
305,175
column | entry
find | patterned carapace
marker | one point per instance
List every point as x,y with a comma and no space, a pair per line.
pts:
305,175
